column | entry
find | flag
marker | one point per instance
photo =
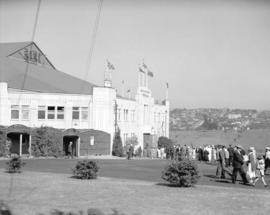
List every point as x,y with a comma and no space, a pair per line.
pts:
167,85
141,70
144,65
150,74
110,66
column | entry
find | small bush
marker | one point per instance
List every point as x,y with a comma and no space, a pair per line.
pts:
86,169
14,165
181,173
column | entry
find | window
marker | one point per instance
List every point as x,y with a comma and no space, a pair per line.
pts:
75,113
92,140
125,114
51,112
125,137
60,112
145,114
41,112
25,112
133,115
84,111
15,112
118,114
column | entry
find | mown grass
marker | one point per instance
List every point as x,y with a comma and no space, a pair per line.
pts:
31,193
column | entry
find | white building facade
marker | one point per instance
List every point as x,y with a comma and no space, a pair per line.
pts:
30,98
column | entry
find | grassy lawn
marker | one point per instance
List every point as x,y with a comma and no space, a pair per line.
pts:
133,187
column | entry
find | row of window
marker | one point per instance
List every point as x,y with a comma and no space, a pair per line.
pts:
126,136
48,112
129,115
125,115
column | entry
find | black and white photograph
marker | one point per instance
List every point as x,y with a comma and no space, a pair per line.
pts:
134,107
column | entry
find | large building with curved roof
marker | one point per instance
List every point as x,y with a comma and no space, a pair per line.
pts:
33,93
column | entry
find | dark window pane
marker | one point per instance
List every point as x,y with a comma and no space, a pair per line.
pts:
60,116
50,116
14,114
75,115
41,114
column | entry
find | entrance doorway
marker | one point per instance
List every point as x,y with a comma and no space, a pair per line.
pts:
70,144
19,143
147,140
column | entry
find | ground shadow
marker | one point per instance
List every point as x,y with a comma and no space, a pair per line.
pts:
164,184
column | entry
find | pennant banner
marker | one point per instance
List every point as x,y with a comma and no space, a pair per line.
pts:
110,66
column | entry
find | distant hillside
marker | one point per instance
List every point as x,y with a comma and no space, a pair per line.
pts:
259,138
219,119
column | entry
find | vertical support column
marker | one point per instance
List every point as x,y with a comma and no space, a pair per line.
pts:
30,144
20,152
78,147
139,79
146,78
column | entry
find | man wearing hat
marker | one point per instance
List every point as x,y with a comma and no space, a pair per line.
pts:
238,162
267,158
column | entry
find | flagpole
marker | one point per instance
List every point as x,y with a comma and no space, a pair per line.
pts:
167,91
123,92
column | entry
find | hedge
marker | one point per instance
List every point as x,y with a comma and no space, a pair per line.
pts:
47,141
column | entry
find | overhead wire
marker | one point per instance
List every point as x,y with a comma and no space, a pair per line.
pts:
32,40
92,44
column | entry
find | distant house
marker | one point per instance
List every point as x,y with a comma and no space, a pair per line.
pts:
234,116
34,93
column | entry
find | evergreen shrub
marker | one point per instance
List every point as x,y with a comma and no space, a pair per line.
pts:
182,173
14,165
86,169
3,135
47,141
117,145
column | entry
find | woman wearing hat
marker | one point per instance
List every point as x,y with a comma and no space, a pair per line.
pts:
260,168
251,172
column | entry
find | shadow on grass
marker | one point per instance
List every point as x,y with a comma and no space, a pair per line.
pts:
164,184
219,180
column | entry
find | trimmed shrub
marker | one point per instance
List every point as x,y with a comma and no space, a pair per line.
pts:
47,141
3,142
181,173
117,145
14,165
86,169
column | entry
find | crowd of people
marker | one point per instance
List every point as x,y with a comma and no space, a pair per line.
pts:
250,166
229,160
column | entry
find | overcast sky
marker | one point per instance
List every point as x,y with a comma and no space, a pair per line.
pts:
213,53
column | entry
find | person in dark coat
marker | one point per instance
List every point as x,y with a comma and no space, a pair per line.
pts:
238,162
200,154
230,150
130,152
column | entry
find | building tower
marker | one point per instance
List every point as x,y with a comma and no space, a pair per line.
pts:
108,75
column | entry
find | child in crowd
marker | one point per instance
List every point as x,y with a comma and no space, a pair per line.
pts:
260,171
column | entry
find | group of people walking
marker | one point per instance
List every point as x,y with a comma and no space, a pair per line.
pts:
255,168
